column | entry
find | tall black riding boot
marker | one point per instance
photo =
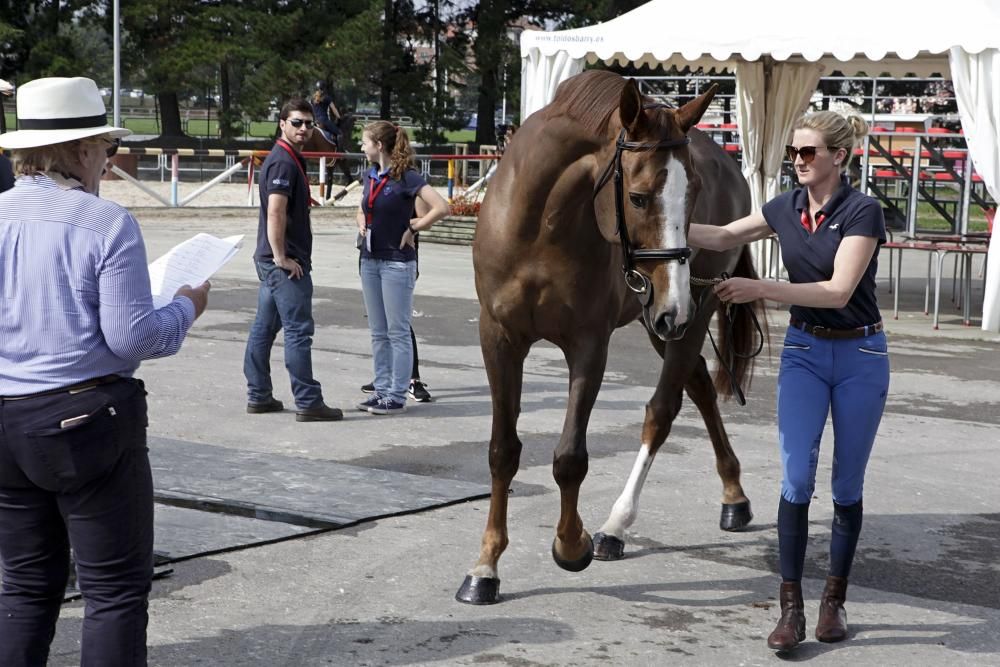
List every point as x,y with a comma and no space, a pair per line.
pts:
832,623
791,628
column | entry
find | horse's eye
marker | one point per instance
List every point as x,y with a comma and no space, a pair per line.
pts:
637,200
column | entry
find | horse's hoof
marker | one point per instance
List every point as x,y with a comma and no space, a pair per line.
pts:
608,547
735,516
479,590
577,565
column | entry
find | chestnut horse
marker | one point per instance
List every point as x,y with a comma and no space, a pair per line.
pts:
554,236
318,143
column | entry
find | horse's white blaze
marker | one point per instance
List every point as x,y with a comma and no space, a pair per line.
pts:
673,200
626,508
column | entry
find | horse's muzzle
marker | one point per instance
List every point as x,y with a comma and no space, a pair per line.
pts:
666,325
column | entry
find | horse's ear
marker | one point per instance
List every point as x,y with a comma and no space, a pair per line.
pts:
689,114
630,106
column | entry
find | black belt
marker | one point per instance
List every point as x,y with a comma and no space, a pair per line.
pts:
71,389
824,332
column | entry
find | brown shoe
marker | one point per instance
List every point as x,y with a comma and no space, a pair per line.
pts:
832,623
791,628
270,405
319,413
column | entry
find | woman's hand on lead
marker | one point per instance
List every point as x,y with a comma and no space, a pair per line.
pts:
739,290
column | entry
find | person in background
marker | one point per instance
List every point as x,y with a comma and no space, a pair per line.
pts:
325,113
6,174
418,388
6,90
835,358
6,170
388,258
283,260
76,319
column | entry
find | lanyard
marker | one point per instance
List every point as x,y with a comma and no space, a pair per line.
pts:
305,179
820,217
372,194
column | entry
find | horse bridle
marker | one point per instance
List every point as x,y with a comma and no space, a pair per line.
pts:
637,281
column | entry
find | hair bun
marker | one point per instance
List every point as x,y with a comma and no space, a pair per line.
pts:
859,125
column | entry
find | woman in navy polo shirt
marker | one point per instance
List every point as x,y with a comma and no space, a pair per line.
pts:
388,257
324,111
834,359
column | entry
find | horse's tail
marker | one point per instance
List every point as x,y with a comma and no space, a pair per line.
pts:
738,333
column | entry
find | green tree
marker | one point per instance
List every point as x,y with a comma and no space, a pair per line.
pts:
251,51
448,47
497,56
348,57
255,53
54,38
366,57
154,53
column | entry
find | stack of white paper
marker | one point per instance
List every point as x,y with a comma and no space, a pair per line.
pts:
190,263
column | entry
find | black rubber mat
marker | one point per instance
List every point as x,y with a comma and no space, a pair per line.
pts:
289,489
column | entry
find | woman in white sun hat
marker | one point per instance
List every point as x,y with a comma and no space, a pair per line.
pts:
76,318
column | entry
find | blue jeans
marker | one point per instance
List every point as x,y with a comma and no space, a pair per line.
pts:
388,292
87,486
848,378
282,303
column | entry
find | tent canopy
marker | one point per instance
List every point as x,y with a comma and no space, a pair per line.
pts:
779,50
901,36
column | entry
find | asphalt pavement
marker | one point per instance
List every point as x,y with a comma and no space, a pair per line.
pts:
926,583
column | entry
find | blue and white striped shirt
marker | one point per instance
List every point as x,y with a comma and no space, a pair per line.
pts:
75,300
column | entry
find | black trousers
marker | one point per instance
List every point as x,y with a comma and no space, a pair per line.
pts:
74,472
415,375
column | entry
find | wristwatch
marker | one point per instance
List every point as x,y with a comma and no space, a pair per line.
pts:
412,230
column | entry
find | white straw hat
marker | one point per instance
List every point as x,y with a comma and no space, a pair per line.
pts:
55,110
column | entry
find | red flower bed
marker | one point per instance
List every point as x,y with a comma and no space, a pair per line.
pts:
466,207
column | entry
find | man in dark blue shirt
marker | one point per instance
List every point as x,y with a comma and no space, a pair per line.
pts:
283,259
6,174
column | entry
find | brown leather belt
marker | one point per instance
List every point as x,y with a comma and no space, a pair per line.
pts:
835,334
72,389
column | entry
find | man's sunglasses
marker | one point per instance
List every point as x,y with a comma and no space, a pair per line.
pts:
298,122
808,153
113,148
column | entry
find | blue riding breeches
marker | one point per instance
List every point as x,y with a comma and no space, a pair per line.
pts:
848,378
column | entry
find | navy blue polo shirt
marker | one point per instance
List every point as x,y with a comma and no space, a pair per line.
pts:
6,174
390,214
281,174
809,256
321,110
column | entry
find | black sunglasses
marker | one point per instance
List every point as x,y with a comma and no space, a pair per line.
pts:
113,148
298,122
808,153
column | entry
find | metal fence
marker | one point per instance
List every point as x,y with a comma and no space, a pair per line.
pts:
867,96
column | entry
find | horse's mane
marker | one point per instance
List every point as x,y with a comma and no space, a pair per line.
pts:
590,98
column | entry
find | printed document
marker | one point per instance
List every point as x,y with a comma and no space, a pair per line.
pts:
190,263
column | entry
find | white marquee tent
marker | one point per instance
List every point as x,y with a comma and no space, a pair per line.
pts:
778,50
